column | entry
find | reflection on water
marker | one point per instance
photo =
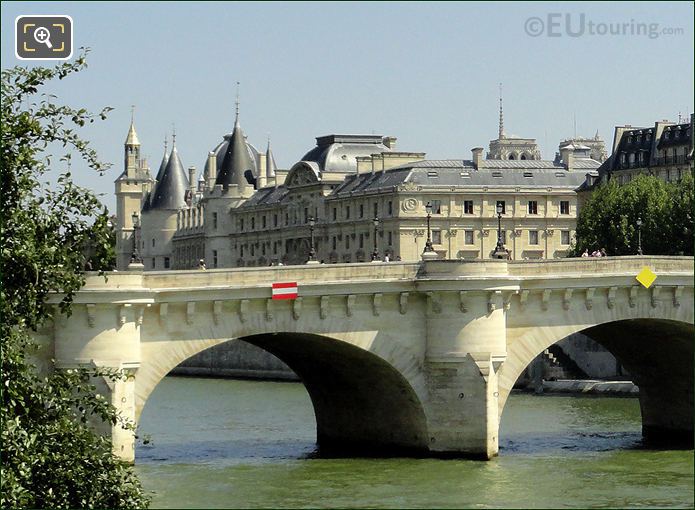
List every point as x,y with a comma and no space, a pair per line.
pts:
229,444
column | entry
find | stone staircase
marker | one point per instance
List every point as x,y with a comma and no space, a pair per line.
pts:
558,365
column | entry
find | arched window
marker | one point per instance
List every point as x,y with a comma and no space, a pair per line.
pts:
511,156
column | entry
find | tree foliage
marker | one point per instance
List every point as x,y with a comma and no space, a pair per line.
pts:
51,455
609,217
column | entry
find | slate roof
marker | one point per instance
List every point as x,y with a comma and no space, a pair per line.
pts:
170,191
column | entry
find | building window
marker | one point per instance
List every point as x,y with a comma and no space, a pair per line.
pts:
335,243
241,224
347,241
347,212
275,248
436,237
153,262
253,250
166,262
361,240
335,214
390,237
263,249
287,219
214,220
253,223
263,221
564,206
468,237
436,206
152,243
241,251
275,220
306,215
468,207
533,237
390,208
214,258
533,207
504,207
361,210
376,209
564,237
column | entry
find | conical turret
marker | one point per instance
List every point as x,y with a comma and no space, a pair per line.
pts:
170,191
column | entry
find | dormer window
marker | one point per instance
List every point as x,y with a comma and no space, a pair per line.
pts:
629,139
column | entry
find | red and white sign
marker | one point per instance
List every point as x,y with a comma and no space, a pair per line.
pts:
285,290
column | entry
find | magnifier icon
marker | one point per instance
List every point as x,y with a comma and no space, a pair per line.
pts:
43,36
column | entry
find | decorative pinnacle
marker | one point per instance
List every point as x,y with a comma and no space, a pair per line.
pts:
132,113
501,126
166,142
173,135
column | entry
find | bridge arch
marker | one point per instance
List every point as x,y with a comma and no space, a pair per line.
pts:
657,352
363,402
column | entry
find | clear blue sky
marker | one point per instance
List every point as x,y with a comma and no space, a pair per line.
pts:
426,73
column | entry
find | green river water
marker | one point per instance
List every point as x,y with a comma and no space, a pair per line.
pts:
216,443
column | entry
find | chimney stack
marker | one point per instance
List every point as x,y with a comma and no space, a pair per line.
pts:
211,170
477,157
191,178
567,155
390,142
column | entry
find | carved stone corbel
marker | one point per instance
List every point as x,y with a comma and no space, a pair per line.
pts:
350,303
323,306
545,298
269,309
243,310
462,302
655,296
492,298
163,311
376,309
632,298
403,303
611,297
589,300
677,293
141,314
507,301
91,314
216,311
297,308
433,303
190,312
122,313
523,299
567,299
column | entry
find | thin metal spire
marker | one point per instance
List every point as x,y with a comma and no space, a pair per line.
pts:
173,135
236,120
501,126
166,143
132,113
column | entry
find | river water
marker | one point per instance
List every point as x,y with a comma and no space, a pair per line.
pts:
215,443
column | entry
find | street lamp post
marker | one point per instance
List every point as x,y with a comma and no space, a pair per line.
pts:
500,252
312,249
639,235
136,228
375,254
428,243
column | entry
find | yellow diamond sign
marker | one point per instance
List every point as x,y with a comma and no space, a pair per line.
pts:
646,277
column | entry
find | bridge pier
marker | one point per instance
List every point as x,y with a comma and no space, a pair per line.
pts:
464,353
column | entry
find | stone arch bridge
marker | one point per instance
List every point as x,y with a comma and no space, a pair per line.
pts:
396,357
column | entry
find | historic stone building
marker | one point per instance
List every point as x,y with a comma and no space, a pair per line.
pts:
356,196
664,150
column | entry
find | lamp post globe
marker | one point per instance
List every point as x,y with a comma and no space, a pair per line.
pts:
639,235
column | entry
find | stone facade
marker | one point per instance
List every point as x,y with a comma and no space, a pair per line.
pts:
358,197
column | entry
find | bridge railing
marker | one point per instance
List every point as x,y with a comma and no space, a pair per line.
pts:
594,266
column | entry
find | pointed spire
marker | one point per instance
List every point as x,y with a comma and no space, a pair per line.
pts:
270,166
236,119
170,192
132,138
501,126
173,135
165,160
